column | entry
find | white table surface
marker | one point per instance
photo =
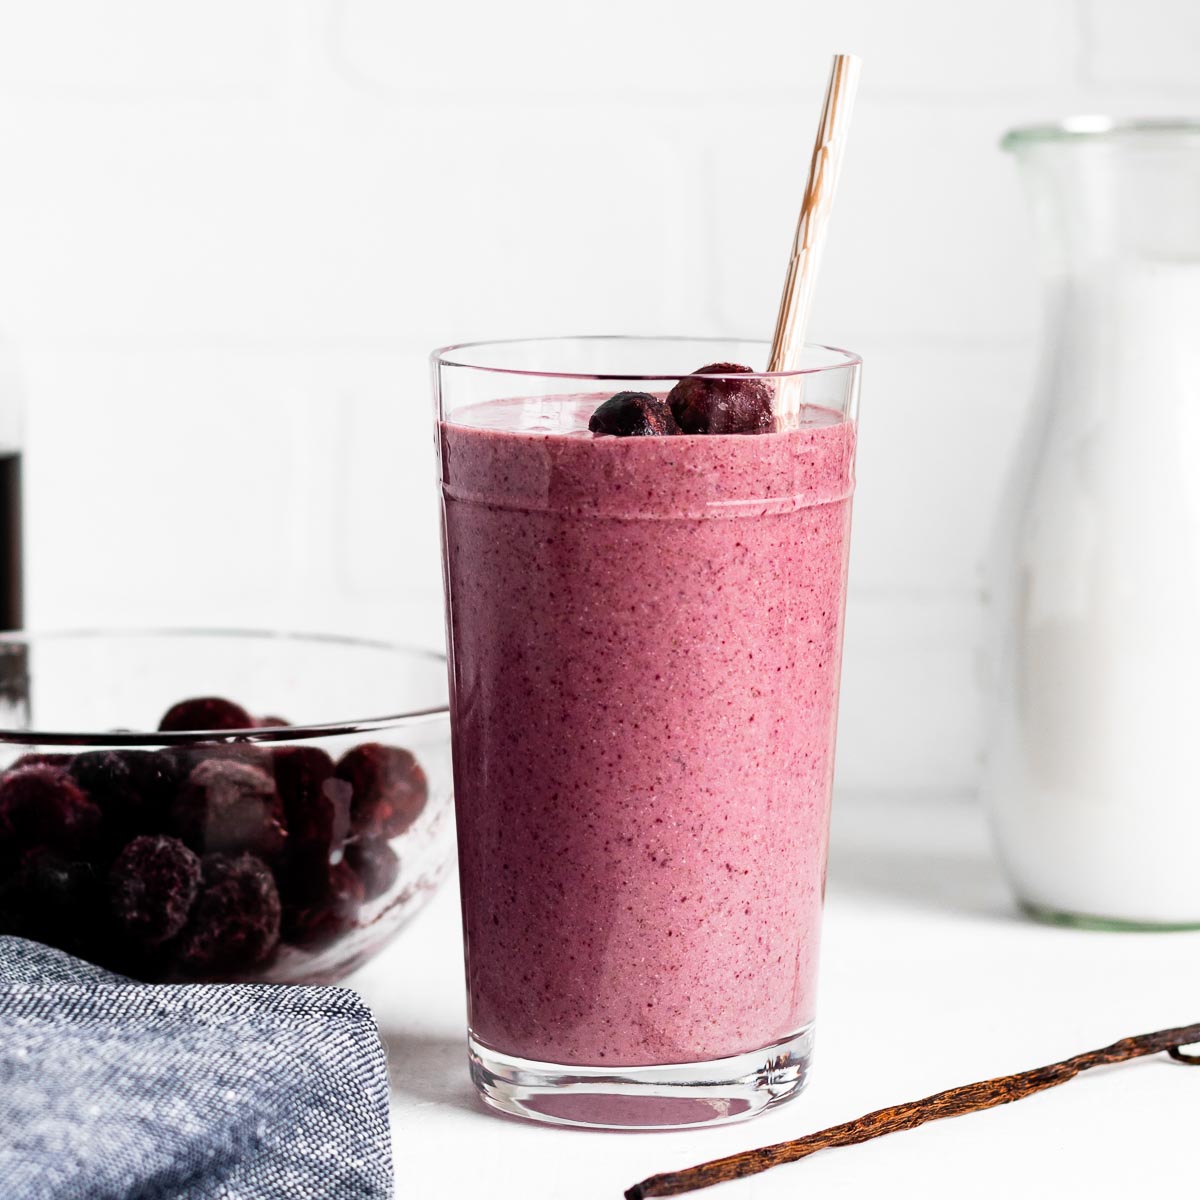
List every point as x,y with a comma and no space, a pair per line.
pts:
929,979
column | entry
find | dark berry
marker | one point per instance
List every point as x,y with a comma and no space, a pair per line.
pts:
389,788
55,900
235,920
36,759
703,405
106,777
331,914
152,887
205,714
634,414
271,723
375,863
45,807
228,806
317,809
155,777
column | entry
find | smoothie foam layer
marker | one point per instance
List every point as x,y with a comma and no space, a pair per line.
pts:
645,654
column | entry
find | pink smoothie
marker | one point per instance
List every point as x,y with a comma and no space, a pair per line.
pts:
645,644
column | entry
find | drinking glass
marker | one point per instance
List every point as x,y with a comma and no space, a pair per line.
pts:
645,641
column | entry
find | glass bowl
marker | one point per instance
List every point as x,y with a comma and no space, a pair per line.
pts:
227,845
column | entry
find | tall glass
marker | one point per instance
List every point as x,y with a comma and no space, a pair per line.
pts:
645,642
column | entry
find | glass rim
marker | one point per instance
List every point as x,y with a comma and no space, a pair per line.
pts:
1086,127
278,733
442,357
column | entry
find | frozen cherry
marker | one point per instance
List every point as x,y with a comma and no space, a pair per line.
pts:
152,887
634,414
45,807
235,920
331,913
317,808
375,863
204,714
227,806
109,782
389,788
53,899
706,405
36,759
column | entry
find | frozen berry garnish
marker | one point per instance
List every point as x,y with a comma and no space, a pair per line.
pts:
332,912
45,807
205,714
53,899
720,405
375,863
235,920
634,414
152,887
389,788
228,806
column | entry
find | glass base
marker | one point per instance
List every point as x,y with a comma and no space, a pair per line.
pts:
658,1097
1054,916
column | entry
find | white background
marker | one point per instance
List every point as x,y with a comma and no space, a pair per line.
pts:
231,231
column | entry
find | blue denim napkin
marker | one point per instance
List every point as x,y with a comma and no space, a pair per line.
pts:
110,1088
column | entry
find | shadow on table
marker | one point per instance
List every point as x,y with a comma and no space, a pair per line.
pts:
941,881
429,1069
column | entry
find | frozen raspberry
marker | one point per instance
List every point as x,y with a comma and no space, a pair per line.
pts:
235,921
152,887
45,807
705,405
205,714
389,788
375,863
634,414
317,809
331,914
228,806
55,900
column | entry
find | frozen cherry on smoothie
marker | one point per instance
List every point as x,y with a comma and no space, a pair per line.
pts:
634,414
707,402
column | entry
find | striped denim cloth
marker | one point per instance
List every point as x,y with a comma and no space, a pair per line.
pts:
114,1089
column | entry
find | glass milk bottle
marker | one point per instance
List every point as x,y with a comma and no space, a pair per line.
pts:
1093,778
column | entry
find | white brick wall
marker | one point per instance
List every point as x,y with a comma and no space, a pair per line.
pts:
229,233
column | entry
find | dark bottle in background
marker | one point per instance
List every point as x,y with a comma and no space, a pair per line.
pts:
14,655
12,590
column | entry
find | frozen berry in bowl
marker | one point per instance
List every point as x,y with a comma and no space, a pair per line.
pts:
42,807
375,862
207,714
152,887
107,778
714,400
634,414
228,805
389,788
223,845
327,914
54,898
235,922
